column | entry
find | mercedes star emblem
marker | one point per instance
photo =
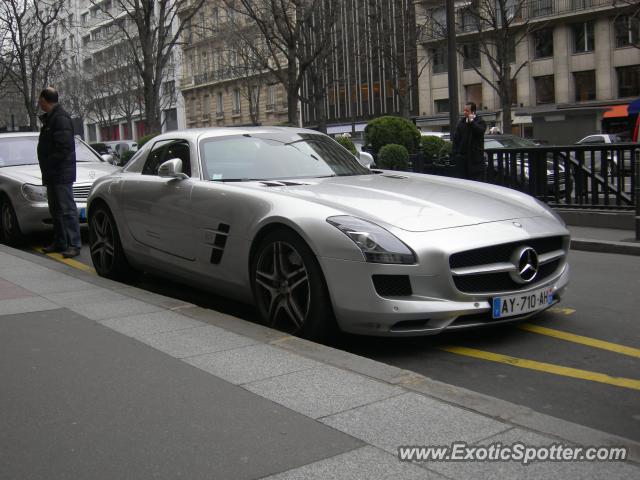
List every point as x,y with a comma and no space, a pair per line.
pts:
527,265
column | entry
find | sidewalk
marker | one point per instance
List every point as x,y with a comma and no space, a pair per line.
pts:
604,240
101,380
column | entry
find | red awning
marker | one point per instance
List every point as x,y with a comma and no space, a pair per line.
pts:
616,111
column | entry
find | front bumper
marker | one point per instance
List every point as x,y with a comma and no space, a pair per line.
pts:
34,217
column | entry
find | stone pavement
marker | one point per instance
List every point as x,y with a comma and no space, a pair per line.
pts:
102,380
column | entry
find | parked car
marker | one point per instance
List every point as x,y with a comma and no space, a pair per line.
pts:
286,219
603,139
106,152
23,199
121,146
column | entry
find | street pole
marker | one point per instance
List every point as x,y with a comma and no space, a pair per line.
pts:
454,102
637,192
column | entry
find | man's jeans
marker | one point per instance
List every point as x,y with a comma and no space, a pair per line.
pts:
66,228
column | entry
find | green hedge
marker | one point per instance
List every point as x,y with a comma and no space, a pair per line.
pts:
145,139
393,157
386,130
347,143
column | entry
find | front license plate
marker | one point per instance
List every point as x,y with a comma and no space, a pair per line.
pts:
82,214
522,303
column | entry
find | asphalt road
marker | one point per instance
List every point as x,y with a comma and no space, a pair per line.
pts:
577,367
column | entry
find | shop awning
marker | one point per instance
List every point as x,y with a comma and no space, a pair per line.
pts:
616,111
634,107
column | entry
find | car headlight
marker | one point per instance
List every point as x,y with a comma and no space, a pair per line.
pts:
377,244
34,193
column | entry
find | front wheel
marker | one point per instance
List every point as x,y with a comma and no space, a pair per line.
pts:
10,232
289,287
106,249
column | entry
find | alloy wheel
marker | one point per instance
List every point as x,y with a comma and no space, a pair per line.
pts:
102,241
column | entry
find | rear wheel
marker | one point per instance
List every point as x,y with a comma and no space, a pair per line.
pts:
107,254
289,287
9,228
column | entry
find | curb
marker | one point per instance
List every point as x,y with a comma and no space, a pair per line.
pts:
604,246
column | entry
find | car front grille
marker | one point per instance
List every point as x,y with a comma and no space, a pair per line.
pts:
81,192
482,260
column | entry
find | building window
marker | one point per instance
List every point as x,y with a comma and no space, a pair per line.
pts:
471,55
585,85
469,20
627,30
219,105
442,106
583,37
545,89
83,18
628,81
440,60
255,99
543,43
581,4
473,93
236,102
206,107
271,97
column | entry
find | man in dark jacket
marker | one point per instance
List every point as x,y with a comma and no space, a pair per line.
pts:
468,144
57,158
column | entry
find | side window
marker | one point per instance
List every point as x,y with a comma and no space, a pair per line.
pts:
155,158
180,150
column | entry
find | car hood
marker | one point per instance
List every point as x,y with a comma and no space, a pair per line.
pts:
414,203
86,172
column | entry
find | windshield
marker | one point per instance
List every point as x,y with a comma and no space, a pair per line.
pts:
276,156
24,151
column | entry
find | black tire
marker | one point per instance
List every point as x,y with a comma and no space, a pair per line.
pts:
10,233
107,254
289,288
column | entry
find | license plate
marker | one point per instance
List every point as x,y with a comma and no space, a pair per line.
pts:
519,304
82,214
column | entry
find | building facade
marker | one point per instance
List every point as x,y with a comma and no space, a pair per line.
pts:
579,59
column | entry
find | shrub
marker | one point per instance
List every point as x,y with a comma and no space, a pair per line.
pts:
385,130
431,146
145,139
393,157
347,143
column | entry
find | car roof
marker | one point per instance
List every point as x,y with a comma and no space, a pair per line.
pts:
19,134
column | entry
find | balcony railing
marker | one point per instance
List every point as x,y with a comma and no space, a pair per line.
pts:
531,10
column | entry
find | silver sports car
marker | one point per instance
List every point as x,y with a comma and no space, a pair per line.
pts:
289,220
23,199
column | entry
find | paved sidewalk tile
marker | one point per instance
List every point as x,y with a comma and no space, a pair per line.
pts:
25,305
323,391
536,470
252,363
366,463
151,323
114,309
196,341
84,297
9,290
47,281
413,419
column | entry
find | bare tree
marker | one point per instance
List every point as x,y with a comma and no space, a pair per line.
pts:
281,42
102,91
32,50
149,30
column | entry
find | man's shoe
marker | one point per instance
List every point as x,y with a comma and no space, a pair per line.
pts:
53,249
71,252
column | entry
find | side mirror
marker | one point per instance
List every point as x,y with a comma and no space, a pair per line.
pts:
365,158
109,158
172,169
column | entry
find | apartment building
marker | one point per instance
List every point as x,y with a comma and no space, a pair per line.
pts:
98,57
581,65
369,70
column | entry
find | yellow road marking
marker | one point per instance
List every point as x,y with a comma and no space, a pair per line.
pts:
69,261
566,311
572,337
544,367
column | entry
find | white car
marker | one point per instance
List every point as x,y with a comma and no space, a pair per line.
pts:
601,139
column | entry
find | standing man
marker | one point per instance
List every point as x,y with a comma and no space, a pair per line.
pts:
57,158
468,144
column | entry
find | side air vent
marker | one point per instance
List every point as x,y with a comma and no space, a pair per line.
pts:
392,285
